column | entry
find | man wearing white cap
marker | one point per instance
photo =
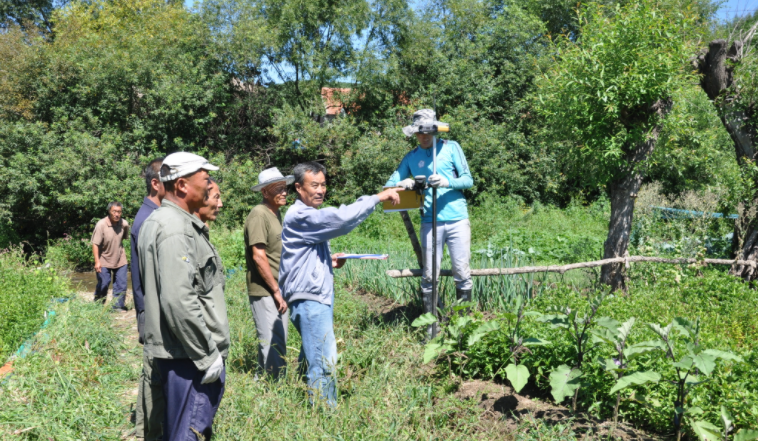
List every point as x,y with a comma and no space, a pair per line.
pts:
453,227
186,326
263,251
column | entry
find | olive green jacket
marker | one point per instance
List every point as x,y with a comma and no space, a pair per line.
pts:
183,281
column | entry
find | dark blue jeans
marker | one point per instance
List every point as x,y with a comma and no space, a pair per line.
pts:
190,405
119,285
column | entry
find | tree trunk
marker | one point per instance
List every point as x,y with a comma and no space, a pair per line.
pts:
622,193
716,65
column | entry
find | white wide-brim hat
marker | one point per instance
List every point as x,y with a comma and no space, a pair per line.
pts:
423,117
270,176
184,163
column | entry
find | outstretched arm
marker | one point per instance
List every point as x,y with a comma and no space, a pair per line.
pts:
316,226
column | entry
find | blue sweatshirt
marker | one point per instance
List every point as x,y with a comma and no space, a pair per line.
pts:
451,164
305,270
144,212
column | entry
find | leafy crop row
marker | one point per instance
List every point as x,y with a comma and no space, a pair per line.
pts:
673,377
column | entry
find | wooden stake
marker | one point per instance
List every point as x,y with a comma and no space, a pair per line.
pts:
413,237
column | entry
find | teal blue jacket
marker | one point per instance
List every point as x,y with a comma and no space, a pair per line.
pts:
451,164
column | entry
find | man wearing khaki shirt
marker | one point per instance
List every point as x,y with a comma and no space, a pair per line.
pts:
110,257
263,250
186,325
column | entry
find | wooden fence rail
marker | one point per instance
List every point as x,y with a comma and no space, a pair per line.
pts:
563,268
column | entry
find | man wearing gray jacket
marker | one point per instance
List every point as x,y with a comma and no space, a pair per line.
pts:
186,326
306,277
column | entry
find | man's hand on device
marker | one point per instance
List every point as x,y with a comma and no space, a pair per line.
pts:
389,194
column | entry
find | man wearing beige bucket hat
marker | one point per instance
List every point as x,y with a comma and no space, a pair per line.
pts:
263,251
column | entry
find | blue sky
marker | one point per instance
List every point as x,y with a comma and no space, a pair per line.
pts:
731,8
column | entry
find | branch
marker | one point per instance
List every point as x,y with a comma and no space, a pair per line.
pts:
562,269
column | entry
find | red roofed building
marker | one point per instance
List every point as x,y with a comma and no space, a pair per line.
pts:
332,98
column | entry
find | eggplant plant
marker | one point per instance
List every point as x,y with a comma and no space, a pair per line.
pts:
692,365
510,321
565,380
451,338
616,334
707,431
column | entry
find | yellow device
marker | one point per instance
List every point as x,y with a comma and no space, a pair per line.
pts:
409,200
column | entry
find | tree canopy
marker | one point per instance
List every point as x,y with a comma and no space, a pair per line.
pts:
90,91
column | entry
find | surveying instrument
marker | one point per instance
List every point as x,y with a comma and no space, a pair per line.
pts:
433,129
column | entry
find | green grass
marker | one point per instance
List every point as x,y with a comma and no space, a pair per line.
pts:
76,383
26,289
65,390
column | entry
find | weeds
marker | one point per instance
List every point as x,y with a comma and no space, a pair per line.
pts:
26,289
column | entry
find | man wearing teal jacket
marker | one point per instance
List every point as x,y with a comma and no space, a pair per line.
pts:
453,227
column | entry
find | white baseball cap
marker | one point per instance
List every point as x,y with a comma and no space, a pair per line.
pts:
183,164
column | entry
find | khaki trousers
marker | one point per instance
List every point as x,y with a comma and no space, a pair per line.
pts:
272,336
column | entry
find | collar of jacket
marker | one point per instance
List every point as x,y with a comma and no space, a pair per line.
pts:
196,222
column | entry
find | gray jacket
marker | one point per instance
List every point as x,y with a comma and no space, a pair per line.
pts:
183,281
305,271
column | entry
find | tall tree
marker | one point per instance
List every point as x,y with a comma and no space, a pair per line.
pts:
608,93
728,77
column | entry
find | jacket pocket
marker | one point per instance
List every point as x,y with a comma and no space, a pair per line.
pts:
206,274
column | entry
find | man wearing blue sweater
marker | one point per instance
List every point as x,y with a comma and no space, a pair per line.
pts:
306,278
453,227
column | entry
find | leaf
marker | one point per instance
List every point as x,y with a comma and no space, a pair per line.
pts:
643,347
558,321
464,305
535,342
746,435
706,431
564,381
518,375
726,417
424,320
625,329
482,330
603,335
608,364
432,351
724,355
705,362
662,332
685,363
686,327
636,379
609,324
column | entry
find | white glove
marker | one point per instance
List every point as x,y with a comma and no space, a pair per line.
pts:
438,181
213,372
406,183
